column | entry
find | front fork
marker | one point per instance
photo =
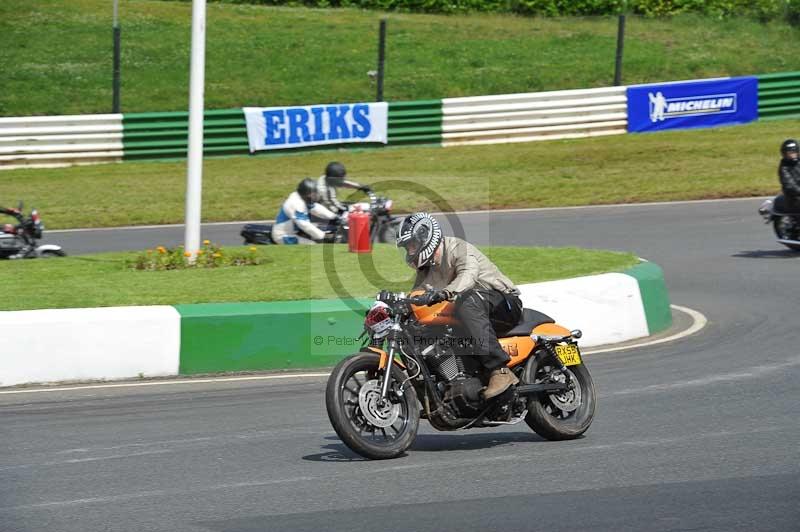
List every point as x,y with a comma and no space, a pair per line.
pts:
387,376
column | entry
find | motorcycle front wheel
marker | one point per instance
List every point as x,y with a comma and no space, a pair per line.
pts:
52,253
564,415
786,228
387,232
352,399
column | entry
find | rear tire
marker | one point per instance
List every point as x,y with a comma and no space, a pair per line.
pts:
52,253
560,416
786,228
344,399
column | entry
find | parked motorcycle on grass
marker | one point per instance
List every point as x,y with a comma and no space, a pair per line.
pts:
785,222
19,241
383,225
428,369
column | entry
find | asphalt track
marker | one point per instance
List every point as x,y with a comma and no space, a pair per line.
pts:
700,434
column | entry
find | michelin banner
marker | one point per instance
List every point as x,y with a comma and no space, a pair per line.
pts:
277,128
689,104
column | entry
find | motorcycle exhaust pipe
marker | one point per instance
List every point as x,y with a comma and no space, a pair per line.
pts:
530,389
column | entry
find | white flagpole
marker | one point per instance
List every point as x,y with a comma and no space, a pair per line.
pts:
194,177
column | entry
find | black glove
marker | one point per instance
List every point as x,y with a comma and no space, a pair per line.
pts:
365,189
432,297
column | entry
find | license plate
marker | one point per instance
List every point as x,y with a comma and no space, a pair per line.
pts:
568,354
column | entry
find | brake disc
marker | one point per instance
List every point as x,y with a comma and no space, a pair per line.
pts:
568,400
368,398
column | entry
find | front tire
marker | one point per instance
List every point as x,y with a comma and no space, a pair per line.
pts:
387,233
560,416
368,429
786,228
52,253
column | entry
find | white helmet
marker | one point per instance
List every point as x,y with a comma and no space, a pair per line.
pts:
420,235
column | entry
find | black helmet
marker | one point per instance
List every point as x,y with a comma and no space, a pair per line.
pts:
307,188
420,235
335,174
789,146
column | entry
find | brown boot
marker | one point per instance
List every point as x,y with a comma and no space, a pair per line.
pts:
499,382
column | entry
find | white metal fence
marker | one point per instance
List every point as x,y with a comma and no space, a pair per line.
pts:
534,116
44,141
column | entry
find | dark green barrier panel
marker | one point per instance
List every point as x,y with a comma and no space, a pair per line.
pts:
654,295
259,336
415,122
779,95
166,135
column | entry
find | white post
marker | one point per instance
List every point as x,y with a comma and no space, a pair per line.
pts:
194,178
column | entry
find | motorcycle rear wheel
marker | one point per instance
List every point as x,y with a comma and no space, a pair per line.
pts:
563,416
786,229
381,432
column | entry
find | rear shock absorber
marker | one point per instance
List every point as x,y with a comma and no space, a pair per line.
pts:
560,365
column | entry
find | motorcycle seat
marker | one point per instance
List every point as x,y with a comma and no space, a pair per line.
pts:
257,233
530,319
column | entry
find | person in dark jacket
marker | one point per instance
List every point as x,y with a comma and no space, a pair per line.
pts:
486,301
334,178
789,174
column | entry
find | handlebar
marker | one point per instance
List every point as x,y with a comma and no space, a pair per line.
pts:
395,298
416,300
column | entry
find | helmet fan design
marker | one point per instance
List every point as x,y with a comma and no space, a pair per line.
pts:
420,235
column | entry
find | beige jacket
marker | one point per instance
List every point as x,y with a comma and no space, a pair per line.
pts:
461,267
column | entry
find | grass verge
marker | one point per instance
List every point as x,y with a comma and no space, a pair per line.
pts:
58,54
302,272
693,164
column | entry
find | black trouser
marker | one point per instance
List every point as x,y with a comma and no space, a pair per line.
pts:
485,314
792,202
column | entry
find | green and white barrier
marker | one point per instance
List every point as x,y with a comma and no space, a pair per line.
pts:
608,308
89,343
43,141
130,342
502,118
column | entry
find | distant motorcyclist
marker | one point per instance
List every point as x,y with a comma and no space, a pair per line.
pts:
486,301
334,178
789,174
293,217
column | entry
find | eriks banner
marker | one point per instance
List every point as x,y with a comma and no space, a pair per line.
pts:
273,128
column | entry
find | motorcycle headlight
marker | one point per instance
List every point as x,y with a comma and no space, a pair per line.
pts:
766,208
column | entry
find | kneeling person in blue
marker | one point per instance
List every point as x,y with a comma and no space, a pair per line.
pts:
292,226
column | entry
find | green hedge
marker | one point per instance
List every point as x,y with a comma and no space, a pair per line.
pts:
763,10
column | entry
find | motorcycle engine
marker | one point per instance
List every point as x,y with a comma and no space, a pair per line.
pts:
459,381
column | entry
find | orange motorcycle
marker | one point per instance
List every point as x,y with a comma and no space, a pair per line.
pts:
418,364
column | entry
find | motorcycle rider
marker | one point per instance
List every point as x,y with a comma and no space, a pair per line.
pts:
327,184
294,216
486,301
789,174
